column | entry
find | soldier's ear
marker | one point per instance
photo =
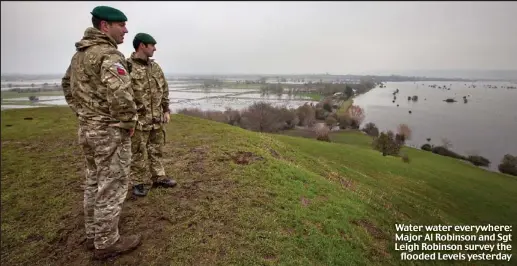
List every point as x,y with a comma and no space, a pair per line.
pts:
104,25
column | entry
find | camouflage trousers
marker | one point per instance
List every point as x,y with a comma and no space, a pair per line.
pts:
147,145
108,157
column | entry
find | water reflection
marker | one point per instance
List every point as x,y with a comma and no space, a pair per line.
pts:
211,99
486,124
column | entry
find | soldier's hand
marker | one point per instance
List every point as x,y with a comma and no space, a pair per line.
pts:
166,117
131,131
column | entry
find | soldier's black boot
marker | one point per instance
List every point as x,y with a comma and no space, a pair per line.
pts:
139,190
164,182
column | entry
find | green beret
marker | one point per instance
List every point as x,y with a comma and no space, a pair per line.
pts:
145,38
108,13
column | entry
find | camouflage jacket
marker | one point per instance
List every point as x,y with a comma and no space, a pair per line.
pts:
151,92
96,85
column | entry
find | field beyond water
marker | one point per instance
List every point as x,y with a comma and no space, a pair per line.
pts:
187,95
243,198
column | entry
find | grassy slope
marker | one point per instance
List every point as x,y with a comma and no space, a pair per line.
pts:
305,203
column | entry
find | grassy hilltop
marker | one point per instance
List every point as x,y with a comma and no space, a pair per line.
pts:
243,198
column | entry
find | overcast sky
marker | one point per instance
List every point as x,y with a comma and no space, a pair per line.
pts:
275,37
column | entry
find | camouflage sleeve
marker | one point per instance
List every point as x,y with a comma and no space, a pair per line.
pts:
165,92
67,90
115,77
165,96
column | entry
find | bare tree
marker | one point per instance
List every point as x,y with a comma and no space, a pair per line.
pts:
261,117
306,115
322,132
356,113
405,131
446,143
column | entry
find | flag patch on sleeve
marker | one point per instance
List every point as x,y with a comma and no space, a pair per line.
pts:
120,69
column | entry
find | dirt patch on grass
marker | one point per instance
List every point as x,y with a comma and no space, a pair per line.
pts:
69,245
187,161
201,151
378,250
199,209
305,201
344,235
347,183
402,215
161,217
246,157
274,153
271,258
288,231
370,228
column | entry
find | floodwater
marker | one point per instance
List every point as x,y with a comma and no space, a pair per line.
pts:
272,96
182,95
28,83
486,125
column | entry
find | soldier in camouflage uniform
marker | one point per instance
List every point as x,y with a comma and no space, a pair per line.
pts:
97,88
152,101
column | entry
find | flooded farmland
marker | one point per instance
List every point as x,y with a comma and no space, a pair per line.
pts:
181,94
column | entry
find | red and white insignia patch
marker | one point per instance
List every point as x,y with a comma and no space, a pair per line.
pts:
120,69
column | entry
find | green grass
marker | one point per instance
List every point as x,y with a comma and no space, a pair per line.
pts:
343,109
235,85
352,137
313,96
302,202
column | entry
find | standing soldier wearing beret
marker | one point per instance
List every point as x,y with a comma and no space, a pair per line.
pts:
97,88
152,101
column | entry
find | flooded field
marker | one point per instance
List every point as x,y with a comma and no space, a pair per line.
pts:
5,85
41,98
181,94
485,125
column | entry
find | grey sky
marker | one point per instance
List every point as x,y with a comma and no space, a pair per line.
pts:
275,37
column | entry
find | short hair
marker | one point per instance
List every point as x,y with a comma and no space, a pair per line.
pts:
96,22
137,42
